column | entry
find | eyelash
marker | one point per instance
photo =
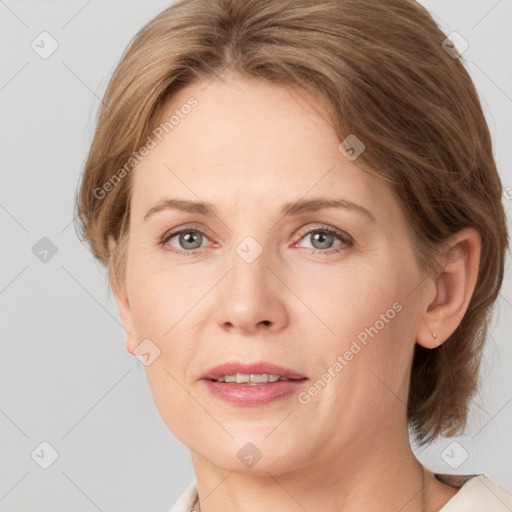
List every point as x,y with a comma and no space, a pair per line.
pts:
346,240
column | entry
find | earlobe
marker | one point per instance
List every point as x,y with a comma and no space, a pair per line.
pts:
121,298
454,287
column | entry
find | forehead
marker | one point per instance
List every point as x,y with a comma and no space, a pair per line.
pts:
251,143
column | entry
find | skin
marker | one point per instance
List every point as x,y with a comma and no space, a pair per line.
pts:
248,147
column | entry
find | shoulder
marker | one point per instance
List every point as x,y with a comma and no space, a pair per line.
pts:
186,501
476,493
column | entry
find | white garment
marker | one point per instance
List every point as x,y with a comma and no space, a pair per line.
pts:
476,494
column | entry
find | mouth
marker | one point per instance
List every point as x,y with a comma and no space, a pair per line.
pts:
252,384
251,373
252,379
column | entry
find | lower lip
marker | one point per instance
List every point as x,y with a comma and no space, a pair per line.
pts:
261,394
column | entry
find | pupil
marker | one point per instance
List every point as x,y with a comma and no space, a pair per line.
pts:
187,238
325,236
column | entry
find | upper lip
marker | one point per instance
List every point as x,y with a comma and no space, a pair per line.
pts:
259,368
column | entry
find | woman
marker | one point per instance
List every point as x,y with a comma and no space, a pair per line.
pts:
301,216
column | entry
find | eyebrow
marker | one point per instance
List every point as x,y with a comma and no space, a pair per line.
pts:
312,205
289,209
198,207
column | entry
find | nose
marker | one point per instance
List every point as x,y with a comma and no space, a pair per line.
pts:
252,298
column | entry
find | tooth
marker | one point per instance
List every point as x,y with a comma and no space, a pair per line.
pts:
259,378
252,379
242,378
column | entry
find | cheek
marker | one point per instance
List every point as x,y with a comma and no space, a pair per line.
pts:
158,298
369,310
164,305
159,305
349,298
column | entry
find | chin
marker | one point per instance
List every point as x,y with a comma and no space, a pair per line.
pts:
259,456
261,467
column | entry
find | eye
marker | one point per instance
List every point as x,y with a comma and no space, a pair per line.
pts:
188,240
323,238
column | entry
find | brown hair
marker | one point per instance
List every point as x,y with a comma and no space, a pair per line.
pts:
382,69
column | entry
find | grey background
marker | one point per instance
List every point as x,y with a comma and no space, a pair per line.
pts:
66,376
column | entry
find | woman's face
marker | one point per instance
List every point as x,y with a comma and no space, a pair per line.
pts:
330,294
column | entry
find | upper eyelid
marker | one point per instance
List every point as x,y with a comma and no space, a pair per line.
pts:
323,227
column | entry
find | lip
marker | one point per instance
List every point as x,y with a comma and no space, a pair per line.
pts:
247,368
252,395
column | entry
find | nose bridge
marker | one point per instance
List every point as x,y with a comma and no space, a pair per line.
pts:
251,294
248,279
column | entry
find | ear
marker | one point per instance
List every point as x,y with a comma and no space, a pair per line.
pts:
451,290
121,298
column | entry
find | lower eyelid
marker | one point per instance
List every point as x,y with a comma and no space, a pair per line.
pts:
342,246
